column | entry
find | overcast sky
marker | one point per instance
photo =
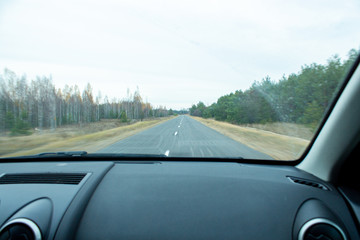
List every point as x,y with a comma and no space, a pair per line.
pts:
176,52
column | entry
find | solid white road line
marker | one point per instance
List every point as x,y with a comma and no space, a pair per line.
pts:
167,153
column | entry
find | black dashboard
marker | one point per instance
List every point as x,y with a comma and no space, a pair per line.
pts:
169,200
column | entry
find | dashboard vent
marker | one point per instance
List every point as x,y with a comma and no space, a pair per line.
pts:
42,178
308,183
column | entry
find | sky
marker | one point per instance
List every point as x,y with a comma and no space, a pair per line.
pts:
176,52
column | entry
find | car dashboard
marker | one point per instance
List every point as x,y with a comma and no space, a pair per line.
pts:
168,200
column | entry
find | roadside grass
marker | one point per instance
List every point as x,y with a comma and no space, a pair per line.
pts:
288,129
90,138
278,146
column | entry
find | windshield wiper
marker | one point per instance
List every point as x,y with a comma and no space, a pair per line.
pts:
83,155
62,154
122,157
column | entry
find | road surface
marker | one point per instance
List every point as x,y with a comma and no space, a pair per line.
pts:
183,137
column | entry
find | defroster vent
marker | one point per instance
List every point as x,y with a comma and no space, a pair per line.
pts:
42,178
308,183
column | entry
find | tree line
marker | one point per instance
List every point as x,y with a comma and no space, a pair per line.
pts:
298,98
39,104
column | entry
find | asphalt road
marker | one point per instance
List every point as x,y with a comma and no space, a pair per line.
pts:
183,137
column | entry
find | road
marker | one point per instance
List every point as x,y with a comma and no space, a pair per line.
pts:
183,137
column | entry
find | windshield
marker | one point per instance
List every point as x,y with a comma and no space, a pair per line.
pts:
204,79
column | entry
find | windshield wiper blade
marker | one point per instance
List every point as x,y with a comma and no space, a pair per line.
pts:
62,154
126,155
89,156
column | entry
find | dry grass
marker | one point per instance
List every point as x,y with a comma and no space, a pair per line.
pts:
288,129
89,138
278,146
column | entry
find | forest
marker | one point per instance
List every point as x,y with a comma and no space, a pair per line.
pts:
39,104
301,97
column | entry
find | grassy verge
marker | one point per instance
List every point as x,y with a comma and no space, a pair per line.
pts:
278,146
72,139
288,129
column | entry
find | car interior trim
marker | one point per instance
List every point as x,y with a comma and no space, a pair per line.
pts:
315,221
34,228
